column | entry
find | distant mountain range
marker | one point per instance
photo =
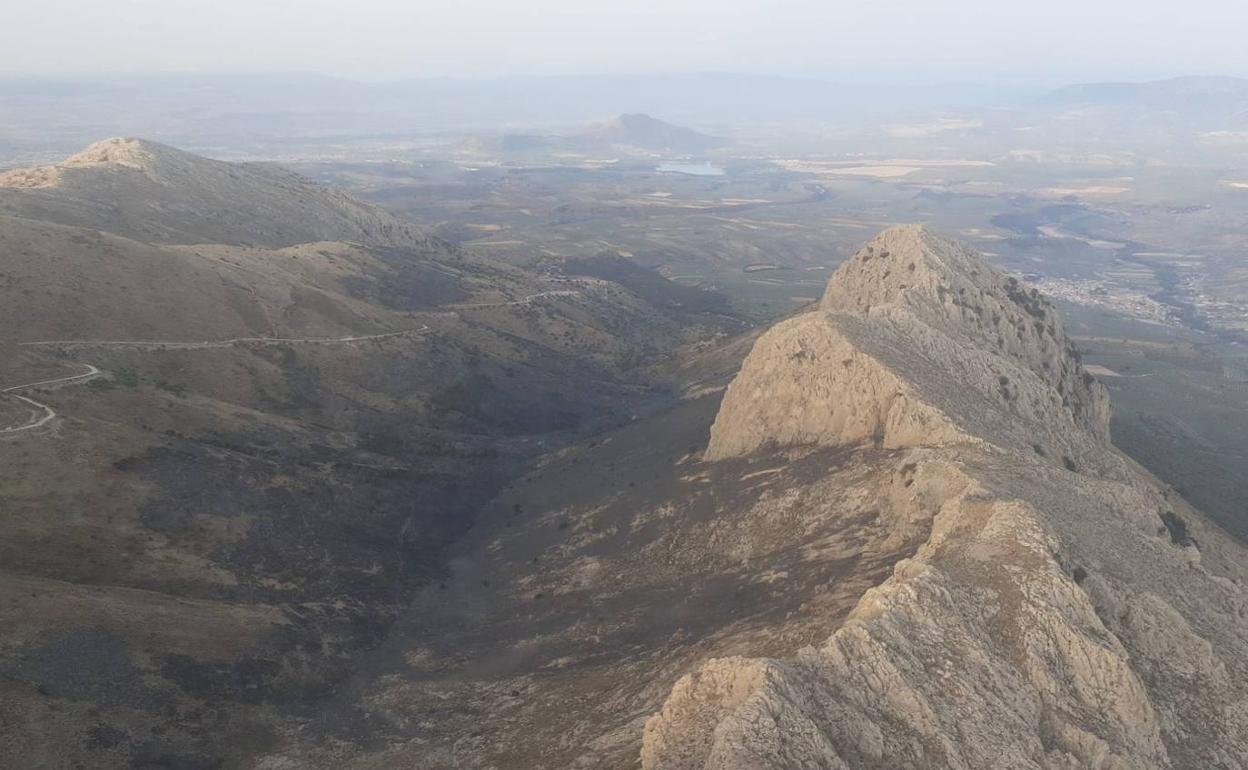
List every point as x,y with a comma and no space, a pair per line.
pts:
1201,103
271,114
279,115
1162,94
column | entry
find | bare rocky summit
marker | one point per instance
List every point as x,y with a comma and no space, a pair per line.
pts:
931,345
1066,609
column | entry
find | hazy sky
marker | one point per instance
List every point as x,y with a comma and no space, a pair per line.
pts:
863,41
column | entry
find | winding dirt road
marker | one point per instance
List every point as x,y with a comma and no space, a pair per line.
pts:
522,301
43,413
205,344
208,344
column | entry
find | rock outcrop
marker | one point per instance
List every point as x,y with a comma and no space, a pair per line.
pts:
1066,611
916,342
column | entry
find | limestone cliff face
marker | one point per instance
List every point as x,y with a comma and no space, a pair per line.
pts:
806,382
1066,611
917,341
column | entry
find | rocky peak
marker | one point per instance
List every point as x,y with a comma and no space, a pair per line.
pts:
1060,614
917,341
124,152
899,266
948,286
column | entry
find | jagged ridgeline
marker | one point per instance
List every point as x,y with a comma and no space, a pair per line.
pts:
1065,611
917,341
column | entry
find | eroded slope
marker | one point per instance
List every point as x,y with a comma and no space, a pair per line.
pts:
1071,614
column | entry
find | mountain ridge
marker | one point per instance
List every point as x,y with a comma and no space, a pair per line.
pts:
155,193
1060,614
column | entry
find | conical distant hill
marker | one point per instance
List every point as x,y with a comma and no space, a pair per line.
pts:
643,131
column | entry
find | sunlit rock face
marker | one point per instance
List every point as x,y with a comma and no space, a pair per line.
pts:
1065,611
